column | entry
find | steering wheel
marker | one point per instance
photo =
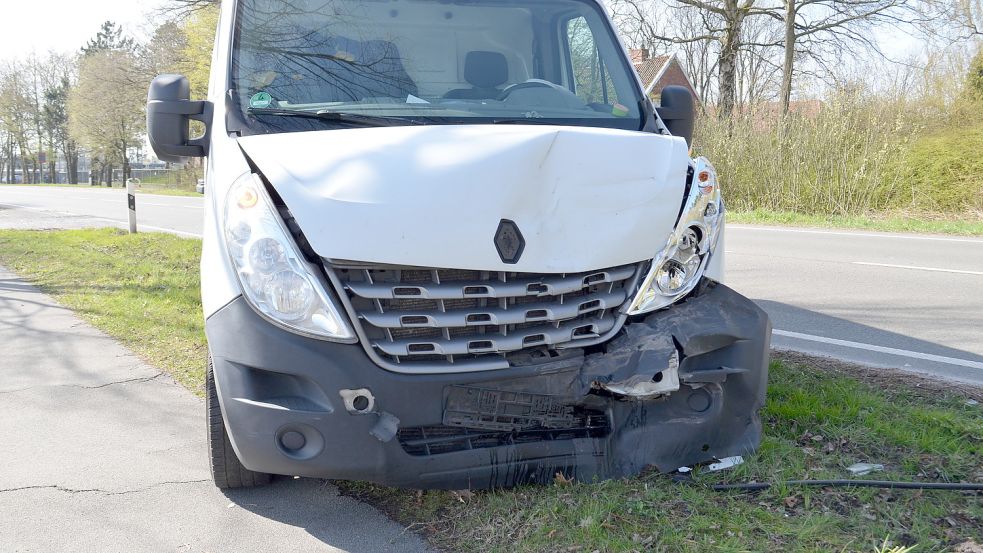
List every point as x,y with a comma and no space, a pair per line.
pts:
531,83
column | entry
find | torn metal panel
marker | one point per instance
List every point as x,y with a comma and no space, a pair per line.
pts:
643,386
590,415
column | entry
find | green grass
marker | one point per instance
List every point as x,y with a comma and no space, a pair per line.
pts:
817,423
143,289
165,191
160,190
889,222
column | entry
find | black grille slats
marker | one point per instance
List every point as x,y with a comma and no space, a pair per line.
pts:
419,315
425,441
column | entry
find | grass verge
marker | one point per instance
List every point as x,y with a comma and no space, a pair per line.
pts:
968,225
818,421
142,289
820,418
159,190
169,191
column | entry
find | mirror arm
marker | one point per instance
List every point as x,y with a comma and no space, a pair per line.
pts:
179,107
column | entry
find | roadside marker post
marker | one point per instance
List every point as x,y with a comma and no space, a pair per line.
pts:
131,201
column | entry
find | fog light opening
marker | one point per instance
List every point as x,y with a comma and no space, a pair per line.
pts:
299,442
293,440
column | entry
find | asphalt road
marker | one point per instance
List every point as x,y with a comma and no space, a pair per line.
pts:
908,301
104,453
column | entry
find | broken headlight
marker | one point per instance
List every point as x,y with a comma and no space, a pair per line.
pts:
678,268
276,279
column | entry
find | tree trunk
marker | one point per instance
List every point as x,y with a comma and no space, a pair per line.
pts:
10,162
785,95
126,165
730,44
72,164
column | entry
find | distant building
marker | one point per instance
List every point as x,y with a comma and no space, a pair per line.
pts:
659,72
770,111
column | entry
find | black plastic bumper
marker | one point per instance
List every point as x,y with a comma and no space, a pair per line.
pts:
272,382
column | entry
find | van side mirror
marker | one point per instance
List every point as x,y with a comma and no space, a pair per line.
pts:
169,115
678,111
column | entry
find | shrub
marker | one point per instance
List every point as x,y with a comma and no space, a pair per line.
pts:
942,171
854,155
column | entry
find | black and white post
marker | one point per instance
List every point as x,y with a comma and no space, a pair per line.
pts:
131,201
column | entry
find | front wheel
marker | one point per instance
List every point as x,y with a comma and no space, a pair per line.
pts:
227,470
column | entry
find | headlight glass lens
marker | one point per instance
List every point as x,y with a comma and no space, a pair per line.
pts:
678,268
290,295
671,277
276,279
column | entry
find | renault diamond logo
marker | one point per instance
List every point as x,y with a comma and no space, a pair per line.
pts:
509,242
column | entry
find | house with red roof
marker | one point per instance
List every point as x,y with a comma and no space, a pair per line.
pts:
658,72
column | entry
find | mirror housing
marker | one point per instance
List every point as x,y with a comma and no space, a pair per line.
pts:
169,115
678,111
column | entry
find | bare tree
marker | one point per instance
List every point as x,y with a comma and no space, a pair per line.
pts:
824,29
719,21
16,118
758,72
184,8
698,57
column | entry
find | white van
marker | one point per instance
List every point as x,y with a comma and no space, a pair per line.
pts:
451,244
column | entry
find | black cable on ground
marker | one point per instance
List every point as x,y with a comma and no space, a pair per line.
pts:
759,486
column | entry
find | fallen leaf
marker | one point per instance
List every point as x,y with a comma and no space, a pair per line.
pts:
561,480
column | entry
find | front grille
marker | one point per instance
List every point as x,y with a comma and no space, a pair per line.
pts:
424,441
413,317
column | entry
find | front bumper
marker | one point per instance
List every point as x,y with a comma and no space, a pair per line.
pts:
273,383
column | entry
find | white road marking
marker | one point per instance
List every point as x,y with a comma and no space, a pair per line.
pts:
126,225
936,269
880,349
862,234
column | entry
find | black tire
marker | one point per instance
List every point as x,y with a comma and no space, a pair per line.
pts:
227,470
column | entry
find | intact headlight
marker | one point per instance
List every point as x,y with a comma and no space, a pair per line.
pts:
276,279
678,268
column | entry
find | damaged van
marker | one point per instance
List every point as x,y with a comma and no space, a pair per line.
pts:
452,244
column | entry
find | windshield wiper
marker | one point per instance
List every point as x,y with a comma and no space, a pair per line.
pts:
339,116
525,121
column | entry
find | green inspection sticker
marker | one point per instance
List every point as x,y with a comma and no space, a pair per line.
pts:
619,110
261,100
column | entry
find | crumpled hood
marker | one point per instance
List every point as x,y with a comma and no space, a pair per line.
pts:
434,196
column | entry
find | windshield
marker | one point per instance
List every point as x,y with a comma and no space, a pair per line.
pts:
308,64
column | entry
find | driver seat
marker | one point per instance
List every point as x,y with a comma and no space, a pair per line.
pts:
485,72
